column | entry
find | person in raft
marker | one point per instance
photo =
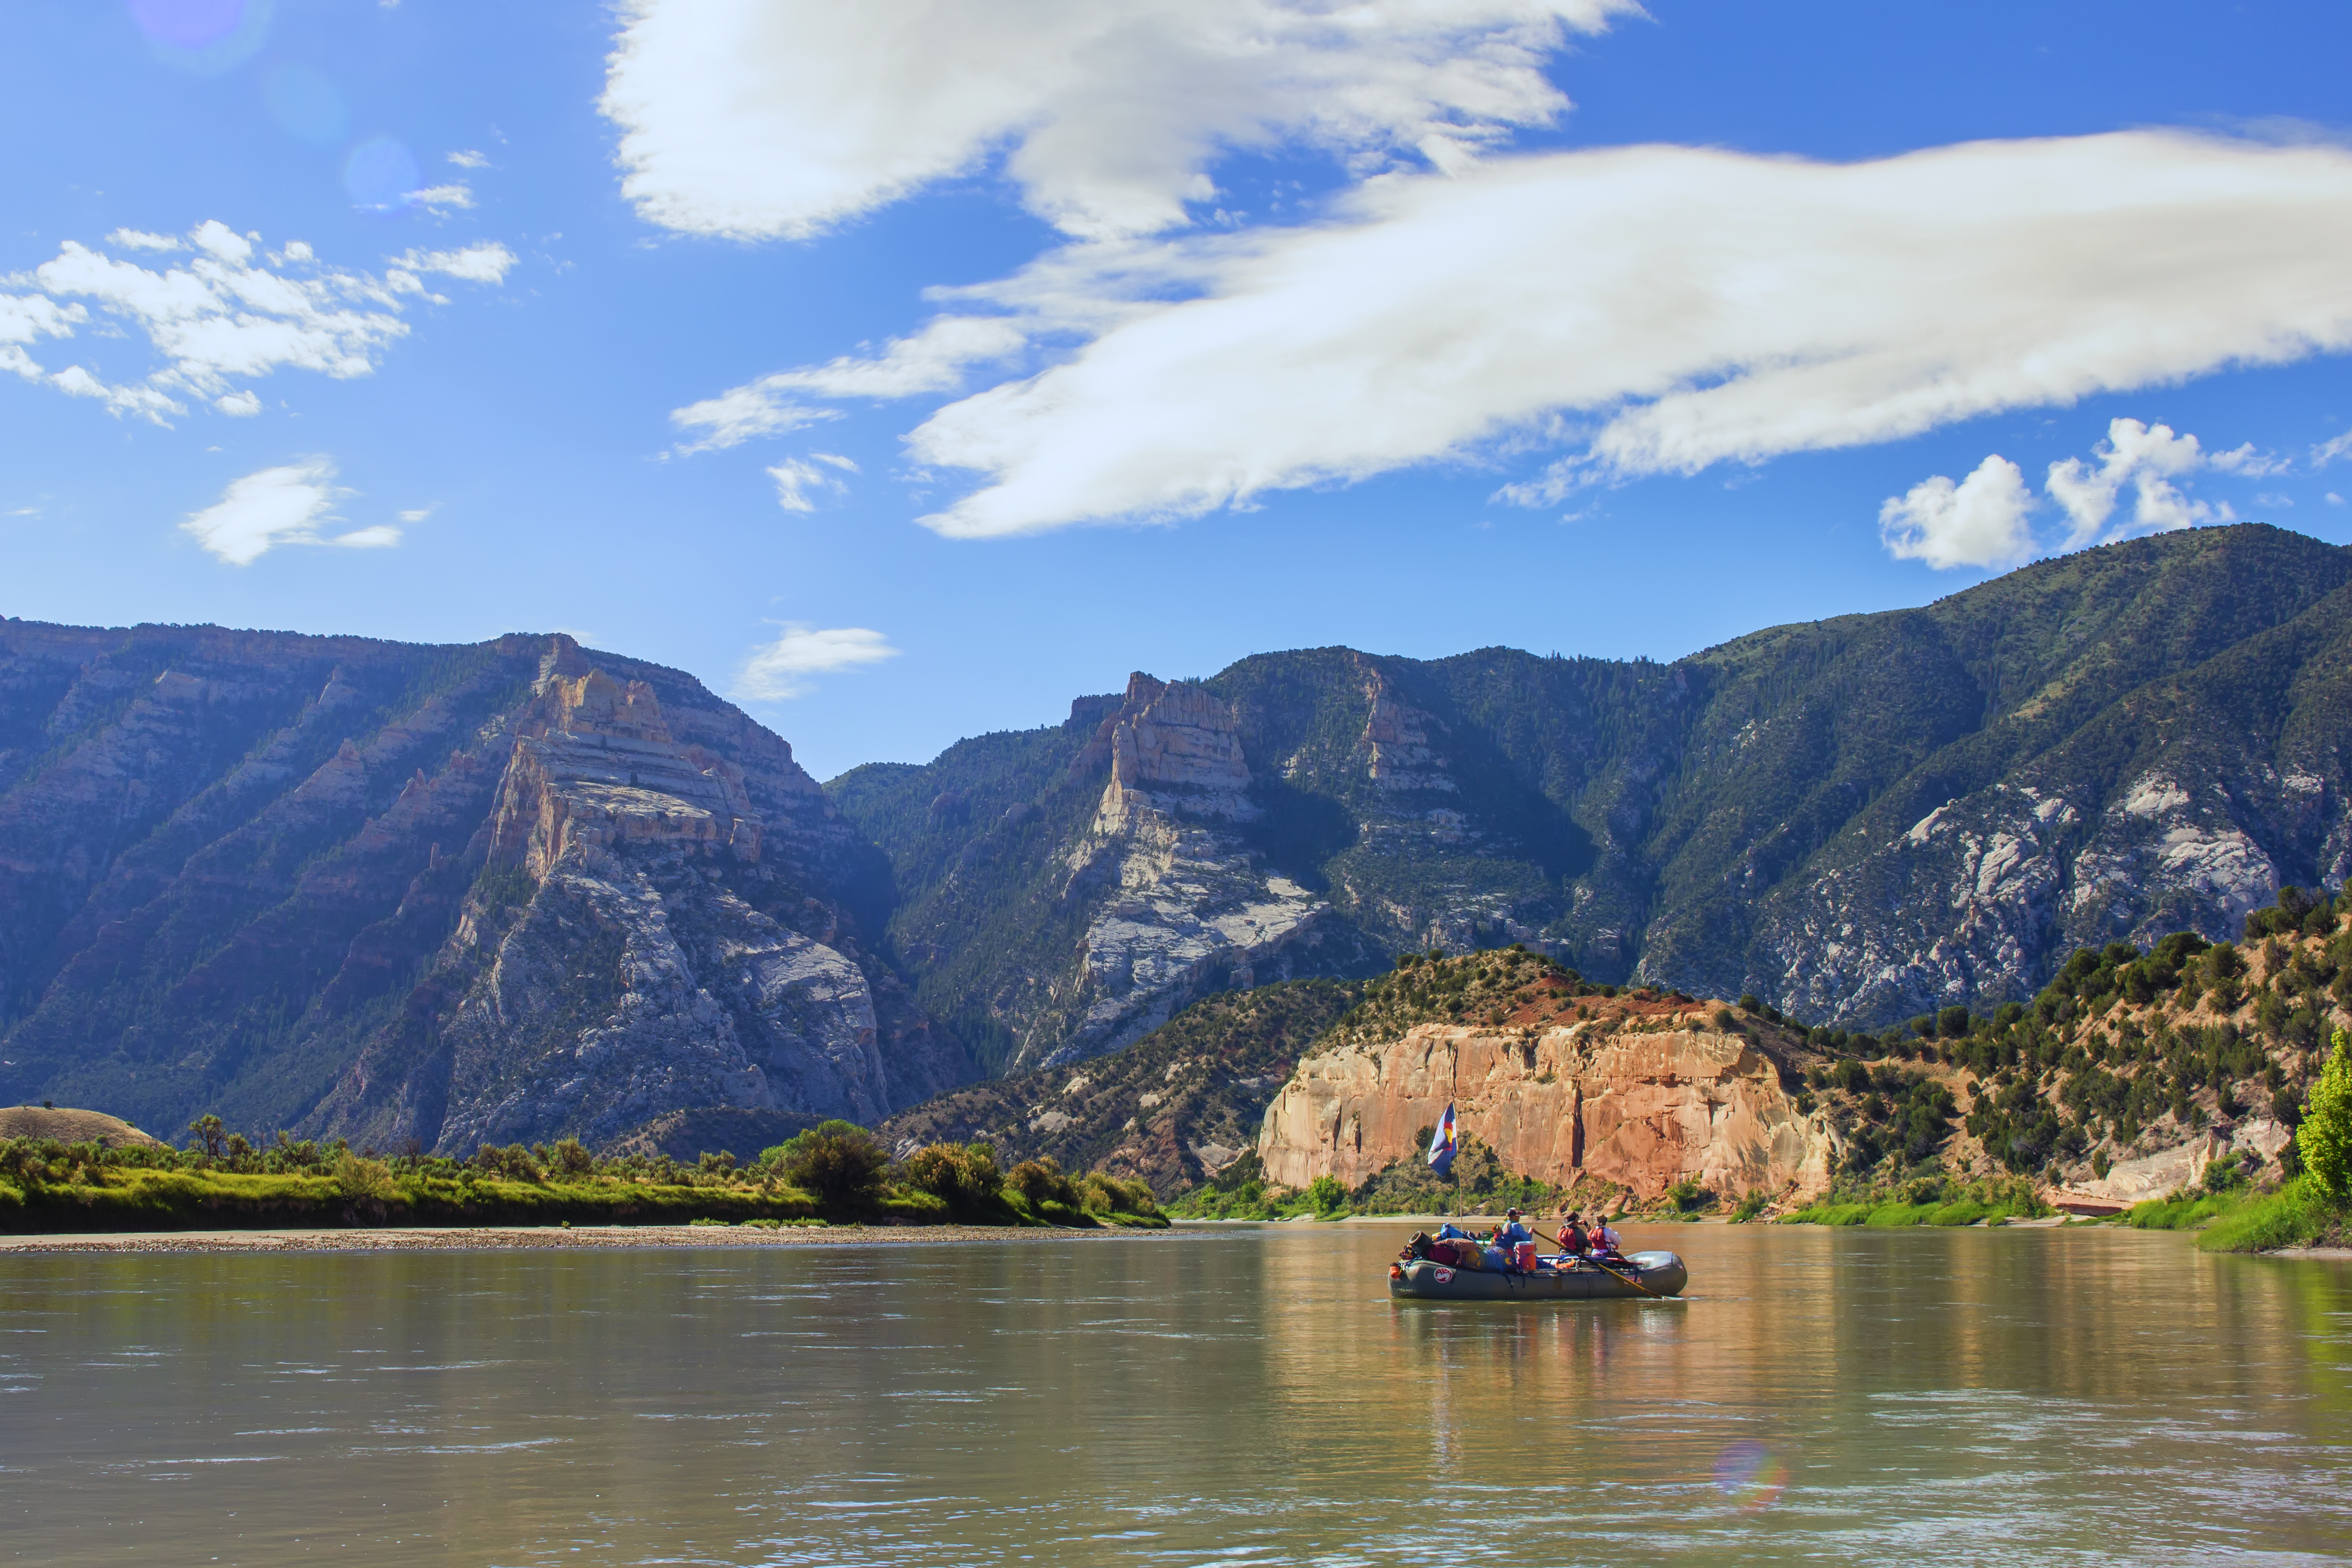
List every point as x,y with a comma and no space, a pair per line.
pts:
1573,1243
1516,1241
1606,1242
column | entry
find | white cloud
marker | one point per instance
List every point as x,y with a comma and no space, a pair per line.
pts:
2148,457
484,263
2326,452
796,479
280,506
934,360
1980,522
441,199
224,313
139,239
2334,499
2245,461
418,514
784,668
470,159
378,536
24,318
763,118
1683,306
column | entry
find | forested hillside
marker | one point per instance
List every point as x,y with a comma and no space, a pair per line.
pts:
1858,819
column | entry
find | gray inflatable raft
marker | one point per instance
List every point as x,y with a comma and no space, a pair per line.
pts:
1423,1279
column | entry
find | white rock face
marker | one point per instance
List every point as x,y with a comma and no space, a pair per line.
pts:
1190,907
638,980
1964,904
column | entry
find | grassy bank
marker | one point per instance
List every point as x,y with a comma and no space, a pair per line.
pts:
1924,1202
834,1173
2297,1213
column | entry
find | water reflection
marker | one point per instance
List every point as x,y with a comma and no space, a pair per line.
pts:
1868,1396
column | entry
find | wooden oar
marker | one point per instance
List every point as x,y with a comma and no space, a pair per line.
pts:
1634,1279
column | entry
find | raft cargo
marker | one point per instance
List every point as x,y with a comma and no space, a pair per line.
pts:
1427,1279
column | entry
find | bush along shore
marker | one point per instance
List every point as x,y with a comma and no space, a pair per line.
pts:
834,1172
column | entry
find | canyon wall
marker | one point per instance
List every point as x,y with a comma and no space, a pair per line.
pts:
1641,1107
426,895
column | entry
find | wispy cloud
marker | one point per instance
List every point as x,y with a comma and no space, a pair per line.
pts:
228,312
454,195
470,159
759,117
284,505
1653,310
786,668
796,478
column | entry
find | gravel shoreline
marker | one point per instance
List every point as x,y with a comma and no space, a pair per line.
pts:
523,1238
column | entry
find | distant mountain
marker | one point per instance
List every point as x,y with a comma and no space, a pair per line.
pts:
446,895
519,890
1858,819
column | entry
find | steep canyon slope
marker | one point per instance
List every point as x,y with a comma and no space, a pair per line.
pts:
446,895
1858,819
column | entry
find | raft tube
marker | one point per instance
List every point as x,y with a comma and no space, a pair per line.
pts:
1423,1279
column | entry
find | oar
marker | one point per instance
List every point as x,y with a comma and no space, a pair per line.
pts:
1633,1280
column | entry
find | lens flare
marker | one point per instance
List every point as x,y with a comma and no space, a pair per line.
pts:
305,103
381,174
1750,1477
203,35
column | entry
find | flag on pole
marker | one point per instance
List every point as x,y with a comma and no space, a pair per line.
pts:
1443,1143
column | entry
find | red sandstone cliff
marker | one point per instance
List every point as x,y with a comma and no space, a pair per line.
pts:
1638,1103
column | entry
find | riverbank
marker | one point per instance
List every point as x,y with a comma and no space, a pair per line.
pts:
534,1239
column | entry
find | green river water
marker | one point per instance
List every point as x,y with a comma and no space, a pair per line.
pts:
1218,1395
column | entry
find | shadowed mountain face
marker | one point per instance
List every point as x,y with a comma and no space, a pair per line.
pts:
1860,819
446,895
517,890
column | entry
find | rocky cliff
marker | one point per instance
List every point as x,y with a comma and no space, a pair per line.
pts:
1177,1107
502,892
1860,819
1635,1093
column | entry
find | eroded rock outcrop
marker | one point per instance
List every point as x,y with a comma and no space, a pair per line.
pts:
1182,905
439,895
1641,1108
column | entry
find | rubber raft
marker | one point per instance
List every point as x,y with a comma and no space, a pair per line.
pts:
1425,1280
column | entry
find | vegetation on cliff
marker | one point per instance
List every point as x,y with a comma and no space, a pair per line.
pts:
835,1171
1179,1105
1966,791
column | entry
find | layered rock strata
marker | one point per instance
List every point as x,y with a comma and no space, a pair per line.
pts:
1639,1108
1183,906
429,895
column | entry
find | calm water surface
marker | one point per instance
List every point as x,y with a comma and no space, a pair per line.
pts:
1973,1396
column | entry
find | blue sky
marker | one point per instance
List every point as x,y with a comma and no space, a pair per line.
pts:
1219,327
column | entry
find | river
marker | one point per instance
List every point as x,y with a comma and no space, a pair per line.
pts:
1217,1396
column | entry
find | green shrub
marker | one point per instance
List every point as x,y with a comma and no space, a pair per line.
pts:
1689,1196
963,1176
836,1162
1749,1207
363,1178
1042,1182
1325,1196
2324,1139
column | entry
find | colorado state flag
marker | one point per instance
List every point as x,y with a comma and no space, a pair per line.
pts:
1443,1143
